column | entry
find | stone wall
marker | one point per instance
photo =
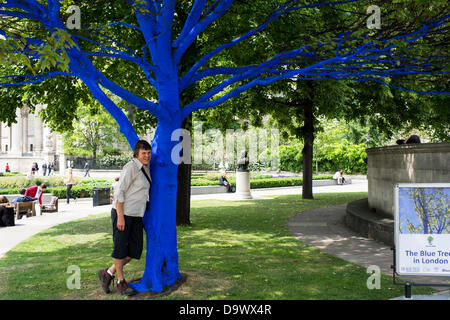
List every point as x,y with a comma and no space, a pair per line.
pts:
409,163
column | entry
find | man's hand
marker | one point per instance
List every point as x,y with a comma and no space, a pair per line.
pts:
120,223
120,217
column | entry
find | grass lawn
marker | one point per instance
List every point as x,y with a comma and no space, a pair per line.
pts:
232,250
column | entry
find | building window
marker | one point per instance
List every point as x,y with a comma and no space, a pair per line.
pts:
31,147
6,148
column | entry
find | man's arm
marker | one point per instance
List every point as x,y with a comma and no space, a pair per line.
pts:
120,216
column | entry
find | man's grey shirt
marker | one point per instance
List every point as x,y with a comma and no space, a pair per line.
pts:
133,189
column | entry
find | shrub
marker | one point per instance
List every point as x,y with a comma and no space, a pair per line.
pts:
110,161
350,158
290,158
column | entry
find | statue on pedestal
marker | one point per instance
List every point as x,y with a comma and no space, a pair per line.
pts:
243,162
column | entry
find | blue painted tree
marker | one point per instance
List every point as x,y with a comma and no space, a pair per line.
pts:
357,54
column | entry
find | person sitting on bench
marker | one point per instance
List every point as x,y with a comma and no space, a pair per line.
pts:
224,182
23,198
338,176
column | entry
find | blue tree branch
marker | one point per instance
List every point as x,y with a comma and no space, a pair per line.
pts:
285,8
183,44
33,78
191,21
79,64
125,125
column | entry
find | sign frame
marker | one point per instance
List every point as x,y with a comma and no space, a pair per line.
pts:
397,245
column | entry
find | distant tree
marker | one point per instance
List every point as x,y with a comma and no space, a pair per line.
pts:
433,210
94,130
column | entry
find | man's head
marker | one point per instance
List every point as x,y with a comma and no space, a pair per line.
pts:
43,186
22,191
143,151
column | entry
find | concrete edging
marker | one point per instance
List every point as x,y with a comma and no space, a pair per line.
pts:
368,224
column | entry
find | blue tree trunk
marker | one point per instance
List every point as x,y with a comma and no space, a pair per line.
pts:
161,268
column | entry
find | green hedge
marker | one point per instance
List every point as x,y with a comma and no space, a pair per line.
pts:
79,191
351,158
290,158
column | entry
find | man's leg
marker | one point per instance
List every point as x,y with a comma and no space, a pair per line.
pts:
118,267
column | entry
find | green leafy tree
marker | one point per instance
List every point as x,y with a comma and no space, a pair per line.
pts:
94,130
432,209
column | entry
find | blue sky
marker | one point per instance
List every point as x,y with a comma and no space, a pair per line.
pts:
406,207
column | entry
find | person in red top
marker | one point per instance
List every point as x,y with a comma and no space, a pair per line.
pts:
7,168
36,192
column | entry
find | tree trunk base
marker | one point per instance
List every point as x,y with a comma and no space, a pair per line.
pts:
148,295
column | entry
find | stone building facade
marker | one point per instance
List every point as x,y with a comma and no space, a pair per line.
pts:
28,141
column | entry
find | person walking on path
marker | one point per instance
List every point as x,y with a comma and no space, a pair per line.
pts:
131,199
51,169
86,167
69,184
44,169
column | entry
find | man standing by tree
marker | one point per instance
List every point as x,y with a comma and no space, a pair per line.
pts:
129,205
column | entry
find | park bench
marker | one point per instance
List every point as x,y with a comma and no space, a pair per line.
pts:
52,206
21,208
208,189
46,197
329,182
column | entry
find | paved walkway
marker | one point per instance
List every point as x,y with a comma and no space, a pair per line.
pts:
324,229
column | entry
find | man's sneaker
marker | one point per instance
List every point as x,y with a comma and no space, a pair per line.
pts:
105,279
124,289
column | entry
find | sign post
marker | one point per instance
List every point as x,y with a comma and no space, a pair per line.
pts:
422,231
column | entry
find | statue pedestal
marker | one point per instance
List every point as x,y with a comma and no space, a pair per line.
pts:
243,185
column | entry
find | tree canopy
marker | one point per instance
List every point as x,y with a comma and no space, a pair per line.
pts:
166,69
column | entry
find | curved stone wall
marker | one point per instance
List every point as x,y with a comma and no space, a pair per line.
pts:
408,163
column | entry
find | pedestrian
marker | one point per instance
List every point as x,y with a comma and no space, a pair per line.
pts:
36,191
69,184
131,199
86,167
7,169
113,188
44,169
50,168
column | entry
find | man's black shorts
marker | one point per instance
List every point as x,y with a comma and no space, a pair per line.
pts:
129,242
